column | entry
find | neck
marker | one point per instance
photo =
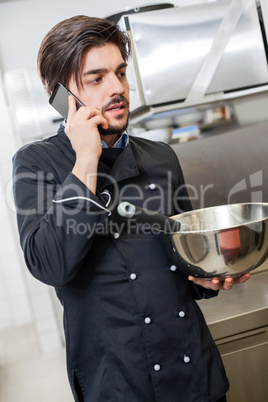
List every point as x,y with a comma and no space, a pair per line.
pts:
110,140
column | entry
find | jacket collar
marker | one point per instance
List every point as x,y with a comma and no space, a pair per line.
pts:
124,167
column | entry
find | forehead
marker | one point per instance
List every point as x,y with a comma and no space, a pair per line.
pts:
107,56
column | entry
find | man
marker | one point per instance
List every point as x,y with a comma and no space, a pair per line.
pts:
133,330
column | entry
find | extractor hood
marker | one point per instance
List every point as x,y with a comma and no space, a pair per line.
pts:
194,55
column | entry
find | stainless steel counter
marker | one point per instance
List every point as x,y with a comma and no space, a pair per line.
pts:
241,309
238,321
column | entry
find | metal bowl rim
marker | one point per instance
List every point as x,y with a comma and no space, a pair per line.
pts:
251,222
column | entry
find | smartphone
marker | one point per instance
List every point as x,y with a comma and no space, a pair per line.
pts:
59,100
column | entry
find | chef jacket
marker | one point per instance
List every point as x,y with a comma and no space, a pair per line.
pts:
134,332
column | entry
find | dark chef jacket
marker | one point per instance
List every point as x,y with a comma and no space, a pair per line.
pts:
134,332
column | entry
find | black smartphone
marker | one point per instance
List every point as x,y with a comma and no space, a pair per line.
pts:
59,100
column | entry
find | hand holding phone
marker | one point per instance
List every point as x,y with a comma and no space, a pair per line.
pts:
59,100
88,148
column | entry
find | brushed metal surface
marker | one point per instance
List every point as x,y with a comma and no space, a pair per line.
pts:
247,370
238,322
237,311
171,45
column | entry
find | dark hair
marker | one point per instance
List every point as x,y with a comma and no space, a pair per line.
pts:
62,49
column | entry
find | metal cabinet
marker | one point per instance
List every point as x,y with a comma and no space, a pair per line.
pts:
245,358
238,322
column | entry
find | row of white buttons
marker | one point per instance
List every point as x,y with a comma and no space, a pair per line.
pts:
181,313
134,276
186,360
148,320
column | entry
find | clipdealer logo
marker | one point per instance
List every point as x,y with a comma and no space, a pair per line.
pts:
253,184
45,187
130,226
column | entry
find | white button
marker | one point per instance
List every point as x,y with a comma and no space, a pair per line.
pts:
173,268
181,314
152,186
133,277
116,235
147,320
186,359
157,367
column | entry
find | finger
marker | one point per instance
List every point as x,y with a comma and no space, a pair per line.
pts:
191,278
228,283
71,107
200,282
86,112
100,121
216,284
243,278
197,281
93,115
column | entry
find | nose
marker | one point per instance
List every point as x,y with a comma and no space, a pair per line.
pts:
115,86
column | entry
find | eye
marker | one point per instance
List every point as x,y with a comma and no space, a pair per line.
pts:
96,80
121,74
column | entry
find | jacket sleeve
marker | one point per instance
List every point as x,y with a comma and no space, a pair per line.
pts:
49,215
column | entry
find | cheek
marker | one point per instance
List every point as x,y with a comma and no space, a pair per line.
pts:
126,86
93,100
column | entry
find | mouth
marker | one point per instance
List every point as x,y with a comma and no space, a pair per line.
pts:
117,108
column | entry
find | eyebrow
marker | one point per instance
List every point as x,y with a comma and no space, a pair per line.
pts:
102,70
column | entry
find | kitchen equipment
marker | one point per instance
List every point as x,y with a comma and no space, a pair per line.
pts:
163,134
238,322
115,18
33,117
226,240
193,55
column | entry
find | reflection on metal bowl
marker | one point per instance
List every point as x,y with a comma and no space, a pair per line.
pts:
221,241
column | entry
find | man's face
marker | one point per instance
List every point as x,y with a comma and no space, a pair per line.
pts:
105,86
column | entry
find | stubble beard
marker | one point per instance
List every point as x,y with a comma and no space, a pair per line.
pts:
114,130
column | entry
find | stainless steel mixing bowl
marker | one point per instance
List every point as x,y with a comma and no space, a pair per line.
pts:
220,241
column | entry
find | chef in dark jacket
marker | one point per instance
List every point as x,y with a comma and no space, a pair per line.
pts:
134,332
